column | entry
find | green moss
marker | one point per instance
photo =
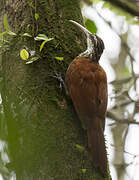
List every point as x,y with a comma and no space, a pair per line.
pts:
42,133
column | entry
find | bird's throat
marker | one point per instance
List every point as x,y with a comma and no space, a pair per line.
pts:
91,51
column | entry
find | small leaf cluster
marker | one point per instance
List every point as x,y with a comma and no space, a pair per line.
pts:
36,15
4,42
24,54
45,39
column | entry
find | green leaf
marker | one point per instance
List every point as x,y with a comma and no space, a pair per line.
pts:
90,25
44,42
24,54
36,16
11,33
27,34
35,58
83,171
29,62
7,27
1,35
41,37
31,5
32,59
5,22
42,45
59,58
79,147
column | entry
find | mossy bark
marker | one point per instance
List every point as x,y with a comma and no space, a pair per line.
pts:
42,127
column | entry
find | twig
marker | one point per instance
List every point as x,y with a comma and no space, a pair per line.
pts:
124,80
124,103
121,120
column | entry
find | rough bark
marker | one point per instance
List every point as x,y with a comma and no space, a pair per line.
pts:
42,128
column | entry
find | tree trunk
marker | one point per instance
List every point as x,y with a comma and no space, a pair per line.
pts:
42,127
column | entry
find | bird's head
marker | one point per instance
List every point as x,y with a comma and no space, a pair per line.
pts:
95,45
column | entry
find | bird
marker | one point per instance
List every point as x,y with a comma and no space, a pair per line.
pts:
86,83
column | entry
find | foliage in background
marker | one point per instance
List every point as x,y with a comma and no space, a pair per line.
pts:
124,97
119,11
90,25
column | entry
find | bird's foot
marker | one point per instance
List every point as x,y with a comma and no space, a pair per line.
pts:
62,84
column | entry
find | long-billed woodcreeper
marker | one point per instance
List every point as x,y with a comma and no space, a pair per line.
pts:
86,83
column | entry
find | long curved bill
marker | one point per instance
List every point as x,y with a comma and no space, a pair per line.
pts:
81,27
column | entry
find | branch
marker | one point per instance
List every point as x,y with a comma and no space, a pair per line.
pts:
123,43
124,80
130,7
124,103
120,120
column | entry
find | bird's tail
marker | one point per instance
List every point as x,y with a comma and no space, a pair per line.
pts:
97,148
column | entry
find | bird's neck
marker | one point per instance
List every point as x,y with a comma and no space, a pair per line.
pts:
90,51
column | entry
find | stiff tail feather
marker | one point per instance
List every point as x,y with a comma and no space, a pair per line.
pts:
97,149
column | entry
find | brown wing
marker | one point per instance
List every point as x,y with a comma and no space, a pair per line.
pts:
87,85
